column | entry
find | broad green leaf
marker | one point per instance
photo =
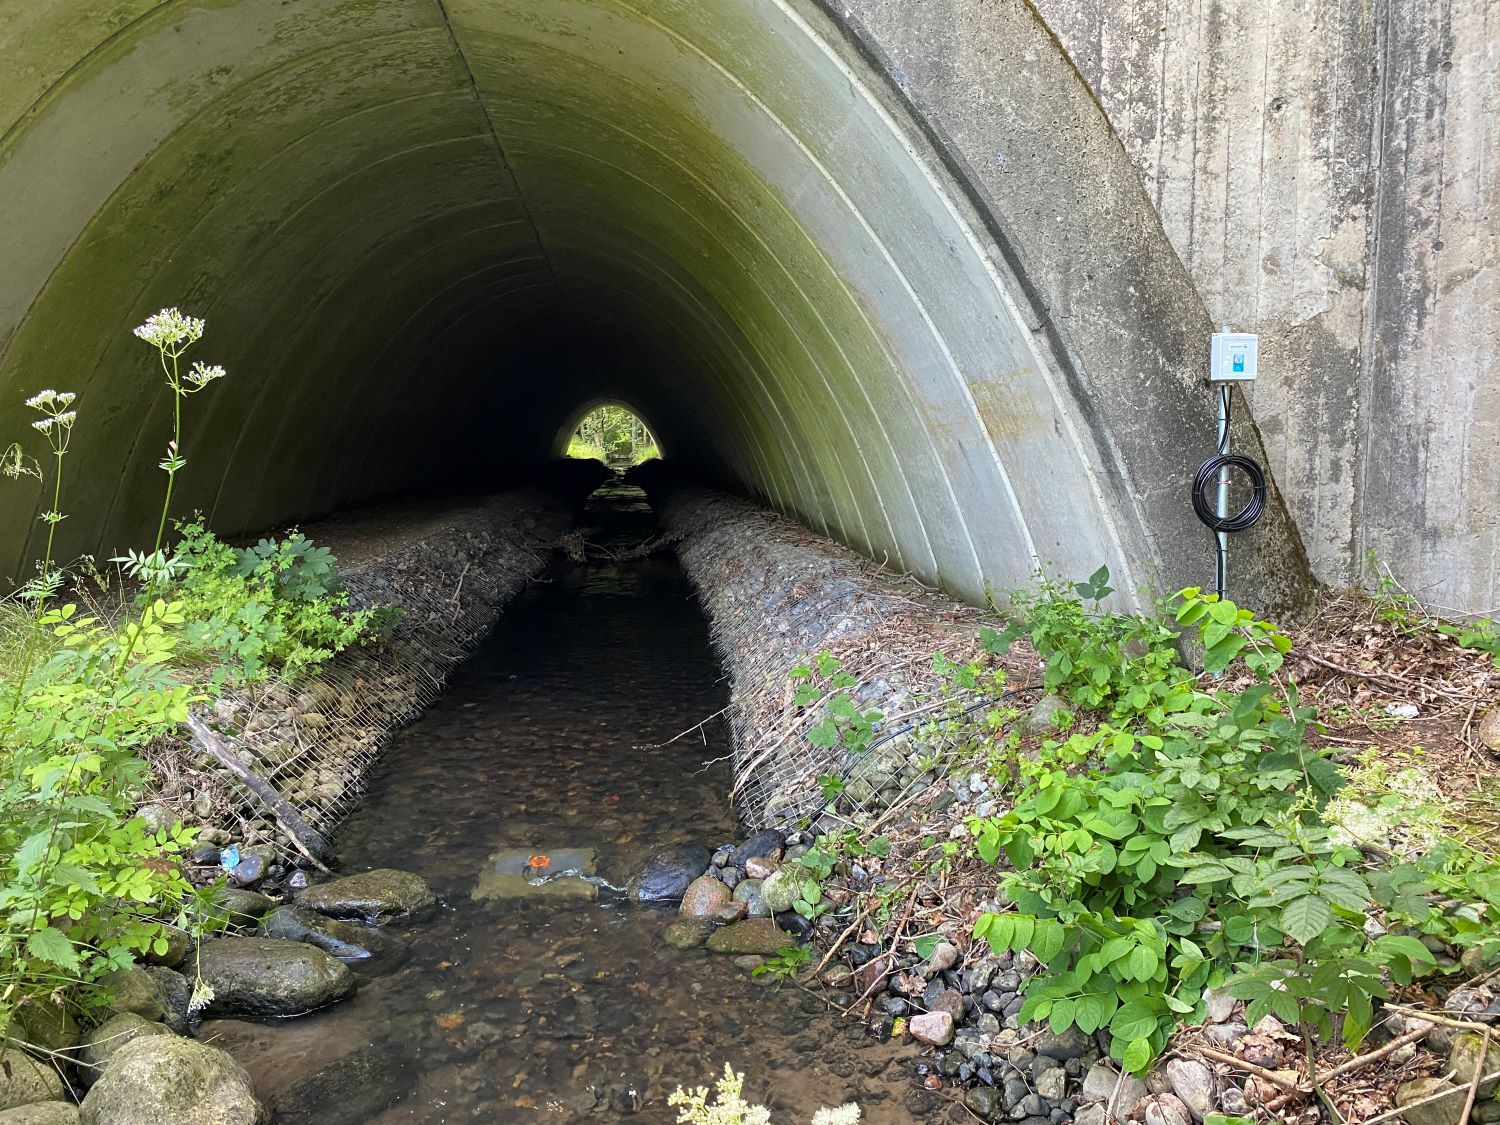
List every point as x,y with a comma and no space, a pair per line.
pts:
1133,1021
53,947
1305,918
1137,1056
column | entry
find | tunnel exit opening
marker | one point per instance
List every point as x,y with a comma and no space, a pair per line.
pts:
611,432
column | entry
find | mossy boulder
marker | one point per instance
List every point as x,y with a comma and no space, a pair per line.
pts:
264,978
245,908
688,933
377,897
41,1113
165,1080
153,992
41,1022
753,935
105,1041
782,889
24,1080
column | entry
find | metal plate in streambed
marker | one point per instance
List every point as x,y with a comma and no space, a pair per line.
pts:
514,873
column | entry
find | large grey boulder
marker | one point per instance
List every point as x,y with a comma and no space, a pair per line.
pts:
165,1080
41,1113
153,992
264,977
24,1080
101,1044
376,897
43,1023
347,941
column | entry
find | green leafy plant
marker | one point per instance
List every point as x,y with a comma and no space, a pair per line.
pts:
1180,844
1094,659
86,886
276,605
825,682
784,964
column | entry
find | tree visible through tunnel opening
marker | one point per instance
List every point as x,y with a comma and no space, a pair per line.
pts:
613,434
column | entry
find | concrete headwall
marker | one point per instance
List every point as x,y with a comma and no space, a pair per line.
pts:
886,265
1329,173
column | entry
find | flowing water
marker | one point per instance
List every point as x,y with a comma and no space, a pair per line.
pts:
556,736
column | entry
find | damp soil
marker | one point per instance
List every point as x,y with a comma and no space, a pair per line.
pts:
559,734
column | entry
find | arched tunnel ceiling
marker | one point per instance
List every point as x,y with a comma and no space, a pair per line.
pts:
424,234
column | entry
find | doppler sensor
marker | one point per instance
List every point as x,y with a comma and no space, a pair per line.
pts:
1232,357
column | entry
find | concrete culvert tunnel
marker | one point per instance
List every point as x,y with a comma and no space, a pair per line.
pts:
425,236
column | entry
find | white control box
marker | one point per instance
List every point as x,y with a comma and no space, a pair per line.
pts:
1232,358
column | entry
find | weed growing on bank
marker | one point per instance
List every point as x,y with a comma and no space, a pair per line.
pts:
1180,833
727,1106
86,886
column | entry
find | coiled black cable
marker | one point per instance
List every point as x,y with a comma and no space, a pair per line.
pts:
1207,481
1205,507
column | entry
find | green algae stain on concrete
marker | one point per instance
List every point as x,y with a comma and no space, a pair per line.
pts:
378,211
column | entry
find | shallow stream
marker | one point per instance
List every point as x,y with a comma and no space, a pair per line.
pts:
558,735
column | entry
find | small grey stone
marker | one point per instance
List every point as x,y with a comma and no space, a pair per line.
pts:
1099,1086
1042,719
977,977
1031,1105
1090,1115
1193,1083
944,956
1219,1003
1166,1109
1053,1084
1226,1035
1445,1112
984,1102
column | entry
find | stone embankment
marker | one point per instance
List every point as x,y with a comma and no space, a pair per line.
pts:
290,758
778,596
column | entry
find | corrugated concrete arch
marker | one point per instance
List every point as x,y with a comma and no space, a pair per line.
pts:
423,233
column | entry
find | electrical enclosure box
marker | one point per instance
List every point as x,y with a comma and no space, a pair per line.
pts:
1232,357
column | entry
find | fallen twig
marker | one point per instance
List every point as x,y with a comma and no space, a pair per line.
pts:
309,841
1484,1048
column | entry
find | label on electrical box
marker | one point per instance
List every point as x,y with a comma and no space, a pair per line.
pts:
1232,357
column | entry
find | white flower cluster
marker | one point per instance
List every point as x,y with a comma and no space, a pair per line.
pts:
170,330
847,1114
61,421
729,1107
51,401
732,1109
202,374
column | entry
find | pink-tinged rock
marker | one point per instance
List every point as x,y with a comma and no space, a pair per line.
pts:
932,1027
872,976
760,867
705,897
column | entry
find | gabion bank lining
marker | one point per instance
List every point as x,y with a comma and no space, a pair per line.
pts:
448,572
777,595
